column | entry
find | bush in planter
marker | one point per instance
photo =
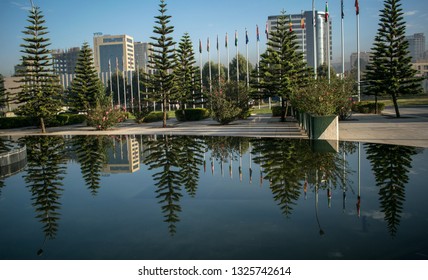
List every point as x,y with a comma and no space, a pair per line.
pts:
103,117
191,114
368,107
223,110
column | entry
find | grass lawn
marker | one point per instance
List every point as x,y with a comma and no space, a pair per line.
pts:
407,101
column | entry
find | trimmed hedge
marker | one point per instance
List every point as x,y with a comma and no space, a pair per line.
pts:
154,117
191,114
60,120
277,111
368,107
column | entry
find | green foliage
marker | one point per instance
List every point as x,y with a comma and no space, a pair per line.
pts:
59,120
196,114
3,94
368,107
282,71
322,98
185,72
40,92
223,110
87,91
242,64
153,117
390,71
276,111
163,58
104,117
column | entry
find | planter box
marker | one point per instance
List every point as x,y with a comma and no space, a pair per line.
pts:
319,127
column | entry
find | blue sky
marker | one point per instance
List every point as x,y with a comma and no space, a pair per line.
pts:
70,23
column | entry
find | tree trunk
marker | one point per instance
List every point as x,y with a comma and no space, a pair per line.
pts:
283,110
164,113
394,99
42,125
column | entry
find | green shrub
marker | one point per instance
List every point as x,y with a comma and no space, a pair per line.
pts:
276,111
103,117
196,114
17,122
368,107
68,119
153,117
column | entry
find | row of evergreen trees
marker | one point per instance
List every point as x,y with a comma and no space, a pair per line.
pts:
282,71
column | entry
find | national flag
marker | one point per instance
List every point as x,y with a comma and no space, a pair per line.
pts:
217,43
246,37
236,38
290,23
208,45
257,33
226,40
267,31
357,7
326,11
302,23
200,46
342,9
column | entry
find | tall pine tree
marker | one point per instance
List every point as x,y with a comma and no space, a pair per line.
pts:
87,91
40,91
186,71
282,70
390,72
163,59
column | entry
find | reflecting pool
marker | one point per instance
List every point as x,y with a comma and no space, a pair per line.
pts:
186,197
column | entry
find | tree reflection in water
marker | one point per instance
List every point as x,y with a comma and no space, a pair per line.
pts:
391,166
45,172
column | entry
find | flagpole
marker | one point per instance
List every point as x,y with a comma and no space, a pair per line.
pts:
117,82
124,83
328,42
209,65
111,85
343,41
237,56
200,68
219,64
315,37
258,60
246,47
228,58
358,51
138,86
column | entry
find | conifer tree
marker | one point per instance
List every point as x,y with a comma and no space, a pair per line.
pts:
86,89
390,72
3,94
186,71
282,70
40,91
163,59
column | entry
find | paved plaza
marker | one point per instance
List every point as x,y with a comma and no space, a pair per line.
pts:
411,129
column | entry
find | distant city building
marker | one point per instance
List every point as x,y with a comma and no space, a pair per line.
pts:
143,51
365,59
305,35
417,44
64,64
114,50
422,67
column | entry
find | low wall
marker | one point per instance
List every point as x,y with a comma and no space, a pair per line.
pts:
13,161
319,127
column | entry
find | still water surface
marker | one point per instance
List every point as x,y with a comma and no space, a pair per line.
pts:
182,197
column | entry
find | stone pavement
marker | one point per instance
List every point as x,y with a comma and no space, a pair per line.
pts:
410,130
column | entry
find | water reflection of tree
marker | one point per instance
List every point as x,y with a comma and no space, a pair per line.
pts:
224,148
391,165
177,160
46,166
92,155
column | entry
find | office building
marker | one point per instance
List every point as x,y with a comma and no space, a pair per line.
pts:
305,35
365,59
421,66
124,156
64,64
417,44
142,51
114,50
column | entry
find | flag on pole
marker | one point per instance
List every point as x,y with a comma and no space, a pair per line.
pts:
200,46
257,33
236,38
217,43
357,7
267,31
326,11
208,45
342,10
246,37
290,23
226,41
302,23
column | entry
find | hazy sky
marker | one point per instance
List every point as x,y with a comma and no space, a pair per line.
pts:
71,23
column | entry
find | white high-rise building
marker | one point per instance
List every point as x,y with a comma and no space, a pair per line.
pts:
114,49
143,51
305,35
416,45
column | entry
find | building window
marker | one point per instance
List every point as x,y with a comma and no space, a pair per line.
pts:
112,40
